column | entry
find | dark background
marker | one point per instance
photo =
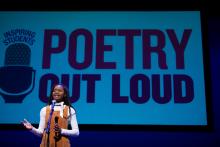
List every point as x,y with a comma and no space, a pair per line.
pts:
108,135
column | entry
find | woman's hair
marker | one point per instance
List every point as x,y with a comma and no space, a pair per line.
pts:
65,96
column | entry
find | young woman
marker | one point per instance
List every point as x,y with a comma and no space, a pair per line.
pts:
55,118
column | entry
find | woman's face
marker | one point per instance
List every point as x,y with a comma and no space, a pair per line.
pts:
58,93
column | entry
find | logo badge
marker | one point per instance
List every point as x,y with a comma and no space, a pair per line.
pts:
17,77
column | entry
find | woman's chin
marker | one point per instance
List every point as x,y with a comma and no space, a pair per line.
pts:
58,100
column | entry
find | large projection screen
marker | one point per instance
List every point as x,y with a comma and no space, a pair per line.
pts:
121,67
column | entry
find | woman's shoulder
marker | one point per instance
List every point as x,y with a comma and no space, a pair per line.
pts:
72,110
43,111
44,108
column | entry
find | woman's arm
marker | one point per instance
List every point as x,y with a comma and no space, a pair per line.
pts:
74,125
41,126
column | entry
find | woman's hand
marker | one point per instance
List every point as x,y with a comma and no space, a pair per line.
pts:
57,131
27,125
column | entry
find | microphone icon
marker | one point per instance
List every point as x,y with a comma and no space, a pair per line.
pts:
17,78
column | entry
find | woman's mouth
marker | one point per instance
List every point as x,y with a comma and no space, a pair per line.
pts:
56,96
